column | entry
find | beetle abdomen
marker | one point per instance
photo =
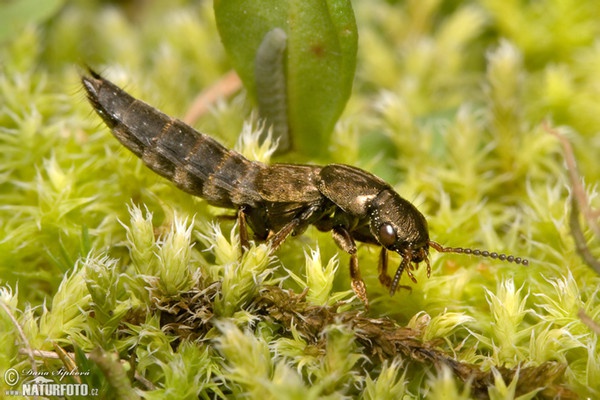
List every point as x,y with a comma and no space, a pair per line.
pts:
195,162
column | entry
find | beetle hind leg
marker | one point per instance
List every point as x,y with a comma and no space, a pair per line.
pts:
243,230
299,223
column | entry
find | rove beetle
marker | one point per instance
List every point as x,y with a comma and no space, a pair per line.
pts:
276,200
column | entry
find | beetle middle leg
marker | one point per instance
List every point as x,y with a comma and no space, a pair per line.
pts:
342,238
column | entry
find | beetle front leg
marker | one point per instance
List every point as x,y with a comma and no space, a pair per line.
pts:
342,238
384,277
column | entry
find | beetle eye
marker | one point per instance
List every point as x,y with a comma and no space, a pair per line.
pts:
387,235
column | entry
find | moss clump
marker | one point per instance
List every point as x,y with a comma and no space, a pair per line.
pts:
109,268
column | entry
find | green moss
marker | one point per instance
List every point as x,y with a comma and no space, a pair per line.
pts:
97,252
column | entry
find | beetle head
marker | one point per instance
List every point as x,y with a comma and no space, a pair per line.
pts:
396,223
399,226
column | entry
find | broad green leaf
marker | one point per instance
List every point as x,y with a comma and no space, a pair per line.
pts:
15,14
319,59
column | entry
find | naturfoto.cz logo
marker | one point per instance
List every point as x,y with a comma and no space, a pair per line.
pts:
41,385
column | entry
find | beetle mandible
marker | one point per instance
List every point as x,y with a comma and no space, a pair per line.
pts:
276,200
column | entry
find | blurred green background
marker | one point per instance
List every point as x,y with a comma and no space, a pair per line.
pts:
447,105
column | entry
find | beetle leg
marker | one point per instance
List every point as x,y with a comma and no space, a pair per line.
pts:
410,274
345,242
384,277
279,237
243,229
358,285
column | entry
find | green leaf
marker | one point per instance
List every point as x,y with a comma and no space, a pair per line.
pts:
15,14
319,60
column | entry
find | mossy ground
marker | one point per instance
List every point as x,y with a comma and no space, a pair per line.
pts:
97,252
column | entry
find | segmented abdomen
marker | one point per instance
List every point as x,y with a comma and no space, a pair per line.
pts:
195,162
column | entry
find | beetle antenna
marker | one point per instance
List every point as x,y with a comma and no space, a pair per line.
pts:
405,262
479,253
